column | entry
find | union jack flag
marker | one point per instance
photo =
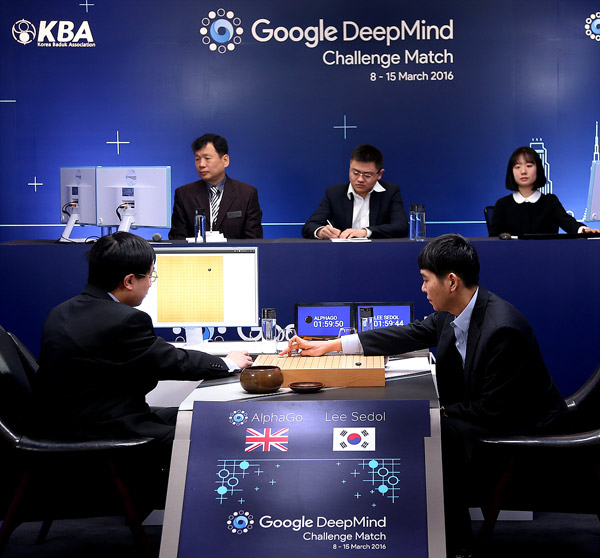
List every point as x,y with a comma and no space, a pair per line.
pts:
266,439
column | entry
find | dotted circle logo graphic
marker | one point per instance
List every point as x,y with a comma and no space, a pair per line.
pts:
23,31
592,26
221,31
240,522
237,418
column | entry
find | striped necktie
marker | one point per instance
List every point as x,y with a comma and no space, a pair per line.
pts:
215,196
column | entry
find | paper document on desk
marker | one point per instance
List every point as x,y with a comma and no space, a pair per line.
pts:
403,367
224,392
355,239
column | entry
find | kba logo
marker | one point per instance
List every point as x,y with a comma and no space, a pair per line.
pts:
53,33
23,31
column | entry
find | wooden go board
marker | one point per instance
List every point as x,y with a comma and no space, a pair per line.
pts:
332,370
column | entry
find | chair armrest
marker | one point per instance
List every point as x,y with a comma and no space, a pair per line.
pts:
579,439
25,443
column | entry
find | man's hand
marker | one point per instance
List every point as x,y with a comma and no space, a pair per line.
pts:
354,233
311,348
241,358
328,232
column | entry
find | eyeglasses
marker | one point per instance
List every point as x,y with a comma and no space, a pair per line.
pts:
366,175
152,276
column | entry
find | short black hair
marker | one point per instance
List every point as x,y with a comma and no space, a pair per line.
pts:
531,156
219,143
115,256
451,253
367,154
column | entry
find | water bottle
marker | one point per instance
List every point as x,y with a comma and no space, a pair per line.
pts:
269,333
367,321
199,225
420,232
412,222
417,222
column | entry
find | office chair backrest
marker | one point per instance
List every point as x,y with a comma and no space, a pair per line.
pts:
28,361
585,402
16,397
488,211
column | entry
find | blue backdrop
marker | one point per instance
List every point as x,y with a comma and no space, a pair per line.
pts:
78,74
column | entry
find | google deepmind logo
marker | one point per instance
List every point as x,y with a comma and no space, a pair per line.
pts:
592,26
240,522
238,417
221,31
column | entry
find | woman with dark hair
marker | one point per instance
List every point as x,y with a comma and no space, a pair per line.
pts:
527,210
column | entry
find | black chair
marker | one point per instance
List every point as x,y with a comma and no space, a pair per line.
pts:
550,472
44,467
488,211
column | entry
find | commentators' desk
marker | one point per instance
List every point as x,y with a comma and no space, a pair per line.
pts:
411,386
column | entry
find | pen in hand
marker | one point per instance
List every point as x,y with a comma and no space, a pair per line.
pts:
329,223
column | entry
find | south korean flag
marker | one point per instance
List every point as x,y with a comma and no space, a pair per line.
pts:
354,439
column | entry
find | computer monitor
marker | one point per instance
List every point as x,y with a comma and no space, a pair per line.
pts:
77,198
386,313
322,320
133,197
204,287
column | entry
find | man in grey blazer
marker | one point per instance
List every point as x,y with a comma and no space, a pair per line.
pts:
230,206
490,372
365,206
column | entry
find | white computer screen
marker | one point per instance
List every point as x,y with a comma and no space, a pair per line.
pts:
204,286
78,185
146,191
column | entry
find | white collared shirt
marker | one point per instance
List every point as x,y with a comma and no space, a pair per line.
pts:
461,324
519,198
360,210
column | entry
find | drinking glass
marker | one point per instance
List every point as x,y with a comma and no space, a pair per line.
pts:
346,331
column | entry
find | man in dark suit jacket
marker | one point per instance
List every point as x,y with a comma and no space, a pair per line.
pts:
490,372
364,207
100,356
238,213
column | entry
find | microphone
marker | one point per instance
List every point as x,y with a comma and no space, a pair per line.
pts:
507,236
156,237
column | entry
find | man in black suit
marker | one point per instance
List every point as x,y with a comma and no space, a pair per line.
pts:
365,207
230,206
100,356
490,372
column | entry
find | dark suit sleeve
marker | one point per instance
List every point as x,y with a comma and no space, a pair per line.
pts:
319,217
565,221
153,356
253,225
396,225
180,227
